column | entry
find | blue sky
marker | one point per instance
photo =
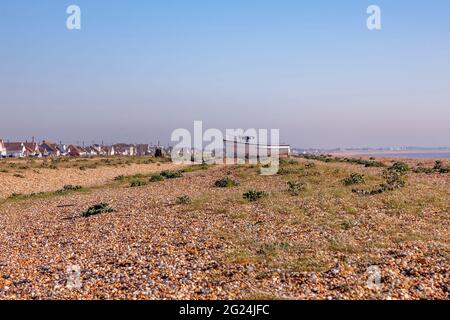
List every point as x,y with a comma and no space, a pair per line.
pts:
137,70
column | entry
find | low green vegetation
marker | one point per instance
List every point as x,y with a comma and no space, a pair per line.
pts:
97,209
439,167
330,158
78,163
196,167
69,188
253,195
184,200
226,183
137,183
399,167
354,178
156,178
295,187
393,180
170,174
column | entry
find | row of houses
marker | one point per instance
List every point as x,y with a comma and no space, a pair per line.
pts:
48,149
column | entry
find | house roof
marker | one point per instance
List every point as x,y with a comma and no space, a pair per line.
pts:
48,146
73,148
28,149
13,146
107,148
31,145
91,149
121,147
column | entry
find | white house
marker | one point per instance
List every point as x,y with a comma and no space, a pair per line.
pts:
108,150
49,149
15,149
124,149
2,149
73,150
62,149
91,151
32,149
99,150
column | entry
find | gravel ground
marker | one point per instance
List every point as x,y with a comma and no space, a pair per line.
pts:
222,247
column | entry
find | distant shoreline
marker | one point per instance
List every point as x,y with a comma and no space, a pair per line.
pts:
412,154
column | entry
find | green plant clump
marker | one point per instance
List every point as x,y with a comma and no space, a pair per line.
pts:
156,178
68,188
439,167
392,180
354,178
226,183
168,174
254,195
184,200
295,187
137,183
400,167
97,209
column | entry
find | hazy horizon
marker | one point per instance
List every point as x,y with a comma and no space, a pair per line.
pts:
138,70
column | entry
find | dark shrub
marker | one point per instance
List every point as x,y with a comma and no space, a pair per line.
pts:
226,183
184,200
156,178
421,169
68,188
97,209
137,183
439,167
393,179
368,164
168,174
295,187
354,178
253,195
119,178
400,167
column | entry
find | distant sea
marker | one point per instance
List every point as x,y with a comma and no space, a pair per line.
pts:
416,155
